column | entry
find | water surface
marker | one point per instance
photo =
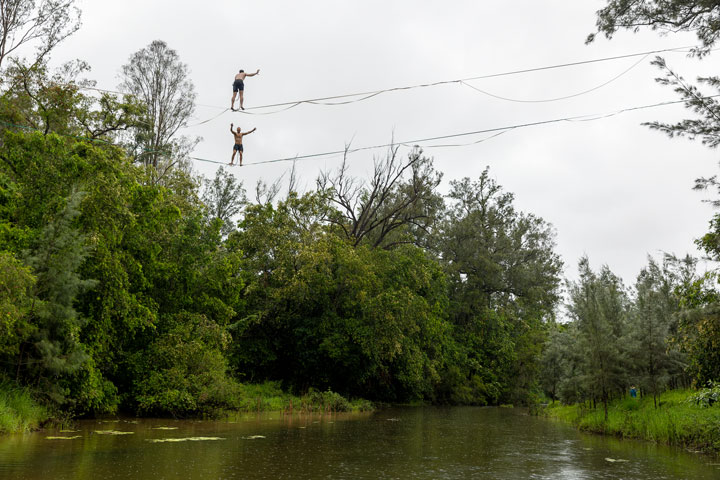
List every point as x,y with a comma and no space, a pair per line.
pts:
406,443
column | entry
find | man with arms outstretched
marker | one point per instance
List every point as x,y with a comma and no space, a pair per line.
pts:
238,147
239,86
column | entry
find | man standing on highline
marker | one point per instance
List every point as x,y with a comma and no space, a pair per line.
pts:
238,147
239,86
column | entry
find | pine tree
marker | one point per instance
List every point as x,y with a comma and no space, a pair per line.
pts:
653,361
56,349
598,306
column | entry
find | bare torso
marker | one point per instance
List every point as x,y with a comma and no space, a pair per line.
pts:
240,76
238,138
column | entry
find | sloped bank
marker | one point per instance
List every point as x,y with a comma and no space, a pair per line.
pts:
681,419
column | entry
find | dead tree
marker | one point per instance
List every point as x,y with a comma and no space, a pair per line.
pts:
396,206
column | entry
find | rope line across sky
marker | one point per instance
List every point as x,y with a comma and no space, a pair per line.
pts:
327,101
461,81
496,132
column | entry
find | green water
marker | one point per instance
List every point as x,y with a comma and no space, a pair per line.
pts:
407,443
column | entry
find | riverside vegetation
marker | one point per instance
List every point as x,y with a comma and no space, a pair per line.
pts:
129,284
681,419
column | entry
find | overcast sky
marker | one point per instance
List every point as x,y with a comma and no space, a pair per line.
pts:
613,189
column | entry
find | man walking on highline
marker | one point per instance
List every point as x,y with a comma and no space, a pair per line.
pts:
238,147
239,86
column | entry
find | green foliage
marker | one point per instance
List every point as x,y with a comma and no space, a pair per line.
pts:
16,284
598,305
677,421
700,16
653,362
224,197
504,282
360,320
56,351
19,412
183,372
707,397
698,332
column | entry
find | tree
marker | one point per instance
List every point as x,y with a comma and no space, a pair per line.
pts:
156,76
54,102
703,18
598,305
184,372
398,205
224,197
55,347
504,278
653,360
45,23
16,298
700,16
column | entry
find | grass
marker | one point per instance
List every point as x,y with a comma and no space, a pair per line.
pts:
677,421
18,411
269,397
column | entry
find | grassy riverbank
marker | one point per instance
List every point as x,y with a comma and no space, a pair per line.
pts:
18,411
677,421
268,396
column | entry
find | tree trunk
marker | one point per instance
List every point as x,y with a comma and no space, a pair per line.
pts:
605,402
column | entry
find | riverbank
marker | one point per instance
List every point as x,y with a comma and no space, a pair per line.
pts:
269,397
678,420
18,411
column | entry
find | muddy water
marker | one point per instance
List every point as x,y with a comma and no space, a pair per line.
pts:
407,443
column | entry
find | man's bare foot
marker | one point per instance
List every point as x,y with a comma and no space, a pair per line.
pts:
242,108
231,164
233,109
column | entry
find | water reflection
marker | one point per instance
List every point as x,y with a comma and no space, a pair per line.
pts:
409,443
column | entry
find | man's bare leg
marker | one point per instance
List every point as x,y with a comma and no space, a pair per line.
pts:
240,159
232,159
232,103
241,100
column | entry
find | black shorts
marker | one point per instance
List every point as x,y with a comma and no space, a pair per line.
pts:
237,147
238,85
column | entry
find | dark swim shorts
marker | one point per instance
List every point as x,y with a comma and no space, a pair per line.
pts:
238,85
237,147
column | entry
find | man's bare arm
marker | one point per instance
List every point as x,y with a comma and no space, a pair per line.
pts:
250,131
252,74
231,129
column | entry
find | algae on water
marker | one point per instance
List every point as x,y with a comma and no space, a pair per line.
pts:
185,439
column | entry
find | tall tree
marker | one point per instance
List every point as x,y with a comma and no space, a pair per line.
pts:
56,350
43,24
703,18
504,284
53,101
598,305
653,360
156,76
224,197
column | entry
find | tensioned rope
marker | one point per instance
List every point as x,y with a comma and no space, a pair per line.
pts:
326,101
496,130
371,94
566,97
